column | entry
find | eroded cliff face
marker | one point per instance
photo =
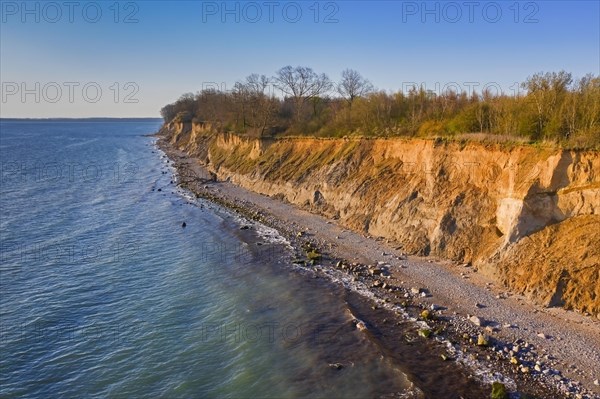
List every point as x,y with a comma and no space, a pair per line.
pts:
530,216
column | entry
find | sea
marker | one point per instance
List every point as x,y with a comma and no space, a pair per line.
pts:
105,294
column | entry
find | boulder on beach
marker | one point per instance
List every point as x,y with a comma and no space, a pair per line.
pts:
482,340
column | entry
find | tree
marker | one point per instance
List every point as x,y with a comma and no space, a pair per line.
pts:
254,107
256,84
262,106
553,107
168,112
321,87
240,94
353,85
589,92
302,84
214,106
547,90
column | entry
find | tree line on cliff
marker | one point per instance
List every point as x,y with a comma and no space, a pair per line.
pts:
553,106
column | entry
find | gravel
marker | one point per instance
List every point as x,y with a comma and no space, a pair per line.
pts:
551,347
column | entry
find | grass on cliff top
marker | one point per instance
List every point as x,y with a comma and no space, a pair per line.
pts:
285,161
487,139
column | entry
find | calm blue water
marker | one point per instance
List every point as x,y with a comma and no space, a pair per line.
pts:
104,294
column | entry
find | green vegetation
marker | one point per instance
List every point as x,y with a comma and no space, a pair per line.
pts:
553,108
424,332
426,315
499,391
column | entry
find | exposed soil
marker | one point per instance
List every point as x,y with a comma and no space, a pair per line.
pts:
545,352
529,270
525,215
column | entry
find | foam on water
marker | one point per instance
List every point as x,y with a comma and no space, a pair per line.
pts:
267,233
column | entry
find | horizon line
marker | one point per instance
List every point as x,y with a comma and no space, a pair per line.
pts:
79,117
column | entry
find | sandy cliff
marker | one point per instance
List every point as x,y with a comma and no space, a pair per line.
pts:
530,216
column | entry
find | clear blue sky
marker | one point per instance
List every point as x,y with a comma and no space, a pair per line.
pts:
61,60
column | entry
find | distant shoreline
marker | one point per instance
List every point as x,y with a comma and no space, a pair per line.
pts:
84,119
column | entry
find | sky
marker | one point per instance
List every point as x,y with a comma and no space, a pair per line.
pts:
130,58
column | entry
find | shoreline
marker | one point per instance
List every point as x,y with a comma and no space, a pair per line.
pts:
451,293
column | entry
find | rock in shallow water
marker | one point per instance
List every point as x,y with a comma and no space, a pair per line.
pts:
336,366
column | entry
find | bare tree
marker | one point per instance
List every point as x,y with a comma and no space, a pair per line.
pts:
256,84
302,84
240,98
256,108
353,85
322,86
